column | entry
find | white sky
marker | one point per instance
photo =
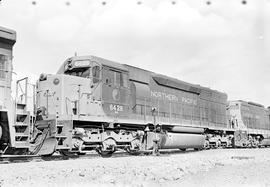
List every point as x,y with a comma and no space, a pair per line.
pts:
224,45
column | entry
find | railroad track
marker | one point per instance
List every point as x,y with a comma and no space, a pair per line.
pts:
8,159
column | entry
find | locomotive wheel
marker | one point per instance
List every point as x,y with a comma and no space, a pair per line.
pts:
133,151
106,153
218,144
47,155
66,152
80,153
16,151
206,144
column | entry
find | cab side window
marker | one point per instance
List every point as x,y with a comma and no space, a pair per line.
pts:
2,67
96,74
108,77
120,79
124,80
117,78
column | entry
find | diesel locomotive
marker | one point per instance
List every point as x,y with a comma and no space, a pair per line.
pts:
96,104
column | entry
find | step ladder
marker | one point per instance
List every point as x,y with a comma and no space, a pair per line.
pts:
22,122
61,136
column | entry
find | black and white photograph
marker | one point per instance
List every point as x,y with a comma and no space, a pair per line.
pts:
135,93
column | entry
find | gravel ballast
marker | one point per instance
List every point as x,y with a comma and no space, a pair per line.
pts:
247,167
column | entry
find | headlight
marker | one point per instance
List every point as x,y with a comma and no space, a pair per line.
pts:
56,81
42,77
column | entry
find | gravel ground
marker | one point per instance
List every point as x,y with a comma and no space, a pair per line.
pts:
230,167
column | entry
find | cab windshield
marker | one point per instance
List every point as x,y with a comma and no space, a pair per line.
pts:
90,70
79,72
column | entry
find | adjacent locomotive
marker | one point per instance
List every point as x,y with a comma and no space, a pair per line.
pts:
14,115
253,122
96,104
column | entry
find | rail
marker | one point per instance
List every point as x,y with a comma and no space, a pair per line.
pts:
9,159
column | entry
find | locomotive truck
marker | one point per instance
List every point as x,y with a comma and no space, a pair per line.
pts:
97,104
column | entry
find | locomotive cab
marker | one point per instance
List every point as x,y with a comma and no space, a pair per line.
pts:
71,91
85,88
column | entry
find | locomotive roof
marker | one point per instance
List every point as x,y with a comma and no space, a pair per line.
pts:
250,103
143,75
7,35
105,62
162,79
153,74
175,83
102,61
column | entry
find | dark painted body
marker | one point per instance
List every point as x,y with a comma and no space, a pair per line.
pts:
105,105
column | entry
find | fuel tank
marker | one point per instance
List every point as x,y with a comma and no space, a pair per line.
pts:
266,142
175,140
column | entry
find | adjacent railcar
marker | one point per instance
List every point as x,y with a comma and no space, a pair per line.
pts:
94,103
7,40
14,116
253,118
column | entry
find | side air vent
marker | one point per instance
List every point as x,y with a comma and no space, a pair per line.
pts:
255,104
177,84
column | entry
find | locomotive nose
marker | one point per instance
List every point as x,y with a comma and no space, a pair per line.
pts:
48,94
